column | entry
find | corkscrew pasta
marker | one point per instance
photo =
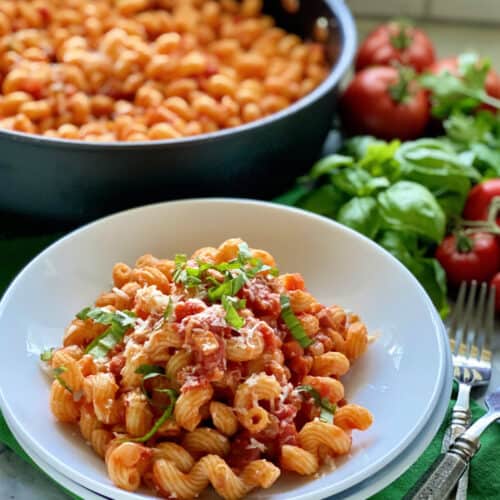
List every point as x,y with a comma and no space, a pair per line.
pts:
213,370
138,70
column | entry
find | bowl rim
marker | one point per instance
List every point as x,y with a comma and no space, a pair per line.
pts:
348,36
346,483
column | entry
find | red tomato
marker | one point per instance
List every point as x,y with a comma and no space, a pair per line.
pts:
468,258
495,281
450,64
368,105
395,42
479,199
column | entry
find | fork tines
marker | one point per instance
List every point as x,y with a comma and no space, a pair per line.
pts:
472,322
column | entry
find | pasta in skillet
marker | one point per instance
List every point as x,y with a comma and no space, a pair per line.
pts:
210,370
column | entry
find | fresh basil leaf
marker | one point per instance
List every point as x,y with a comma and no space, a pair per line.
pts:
57,372
402,245
83,313
379,160
435,164
166,415
361,214
357,146
101,345
357,182
230,288
119,322
326,200
452,203
432,162
428,271
329,164
232,317
47,354
179,274
105,317
167,314
327,409
148,369
293,323
408,206
432,277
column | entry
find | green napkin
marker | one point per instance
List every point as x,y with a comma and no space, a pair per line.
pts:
484,480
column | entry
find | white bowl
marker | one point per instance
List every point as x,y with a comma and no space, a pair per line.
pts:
400,379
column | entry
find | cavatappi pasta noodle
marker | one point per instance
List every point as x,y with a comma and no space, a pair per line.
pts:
209,370
138,70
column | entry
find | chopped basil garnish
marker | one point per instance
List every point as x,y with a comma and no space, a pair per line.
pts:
83,313
293,323
57,372
119,322
150,372
229,288
169,310
148,369
47,355
247,265
166,415
232,317
327,409
188,276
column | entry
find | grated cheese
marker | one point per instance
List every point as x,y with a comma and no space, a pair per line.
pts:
256,445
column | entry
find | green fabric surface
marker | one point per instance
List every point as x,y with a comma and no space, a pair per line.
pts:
484,480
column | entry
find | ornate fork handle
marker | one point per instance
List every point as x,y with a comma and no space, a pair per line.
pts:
460,420
438,482
460,417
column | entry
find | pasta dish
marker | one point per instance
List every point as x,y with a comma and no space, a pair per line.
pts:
213,369
139,70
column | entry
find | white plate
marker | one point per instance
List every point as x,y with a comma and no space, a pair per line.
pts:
59,478
400,379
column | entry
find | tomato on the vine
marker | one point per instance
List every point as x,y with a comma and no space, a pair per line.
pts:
396,42
467,258
478,202
385,102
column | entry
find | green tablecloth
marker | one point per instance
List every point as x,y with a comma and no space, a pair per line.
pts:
16,249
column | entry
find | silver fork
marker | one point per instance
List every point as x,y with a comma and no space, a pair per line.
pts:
470,333
438,482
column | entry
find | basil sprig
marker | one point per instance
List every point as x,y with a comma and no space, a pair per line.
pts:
327,409
293,323
118,321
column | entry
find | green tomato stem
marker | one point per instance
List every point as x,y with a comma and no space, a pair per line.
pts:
464,243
